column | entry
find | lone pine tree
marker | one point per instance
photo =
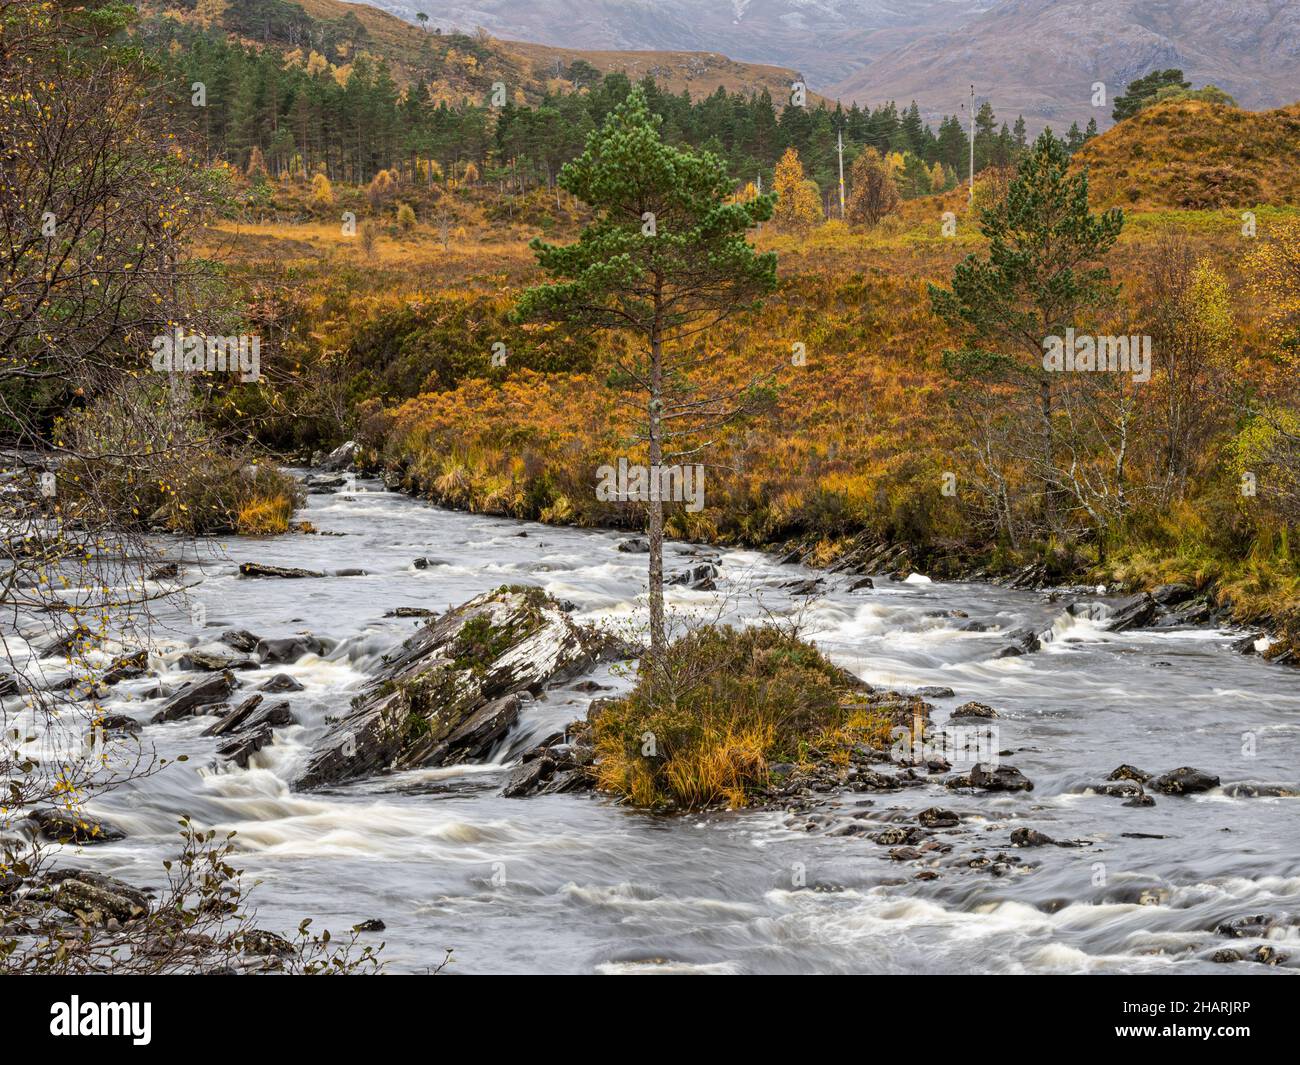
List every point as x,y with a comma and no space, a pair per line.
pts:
664,259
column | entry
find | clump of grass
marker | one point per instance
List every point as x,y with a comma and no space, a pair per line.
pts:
265,515
730,704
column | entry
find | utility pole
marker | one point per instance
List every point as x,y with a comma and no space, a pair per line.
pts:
972,145
839,148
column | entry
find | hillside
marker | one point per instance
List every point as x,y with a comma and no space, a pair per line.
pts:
1197,155
1041,57
343,30
827,40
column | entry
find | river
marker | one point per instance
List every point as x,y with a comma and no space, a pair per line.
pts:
575,883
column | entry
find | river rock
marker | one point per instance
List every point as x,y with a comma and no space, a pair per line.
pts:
342,457
862,584
1172,594
95,898
695,576
972,709
453,688
242,748
126,667
290,648
1029,837
528,777
1184,781
999,778
281,682
636,546
937,817
240,640
198,693
257,569
213,661
1132,613
935,691
1022,642
62,826
1129,772
1249,789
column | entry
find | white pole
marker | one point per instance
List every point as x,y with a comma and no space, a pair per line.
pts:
840,149
972,145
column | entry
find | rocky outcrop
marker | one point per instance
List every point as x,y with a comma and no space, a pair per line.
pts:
257,569
209,691
62,826
454,688
1132,613
1184,781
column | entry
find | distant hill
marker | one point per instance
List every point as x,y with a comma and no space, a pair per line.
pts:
416,52
1196,155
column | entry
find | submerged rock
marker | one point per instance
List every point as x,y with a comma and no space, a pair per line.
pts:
199,693
453,688
61,826
975,710
1184,781
1132,613
256,569
1023,642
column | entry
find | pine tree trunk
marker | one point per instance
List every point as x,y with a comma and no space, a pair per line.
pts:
656,505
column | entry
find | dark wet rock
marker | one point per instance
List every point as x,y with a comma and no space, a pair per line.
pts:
934,691
1226,957
1020,642
342,457
372,924
117,723
1254,926
1248,789
8,684
937,817
810,586
905,854
975,626
251,716
69,644
1267,955
281,682
635,546
126,667
241,748
1141,835
257,941
566,781
998,778
1129,772
1192,614
590,686
1246,645
1184,781
168,571
239,640
1132,613
1028,837
290,648
95,898
862,584
209,691
62,826
1139,800
895,835
972,709
411,612
1172,594
256,569
528,777
1117,789
453,688
696,575
213,662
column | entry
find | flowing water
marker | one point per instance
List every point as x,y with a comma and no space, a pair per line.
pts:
575,883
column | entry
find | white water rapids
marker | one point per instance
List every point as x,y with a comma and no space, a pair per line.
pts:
575,883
